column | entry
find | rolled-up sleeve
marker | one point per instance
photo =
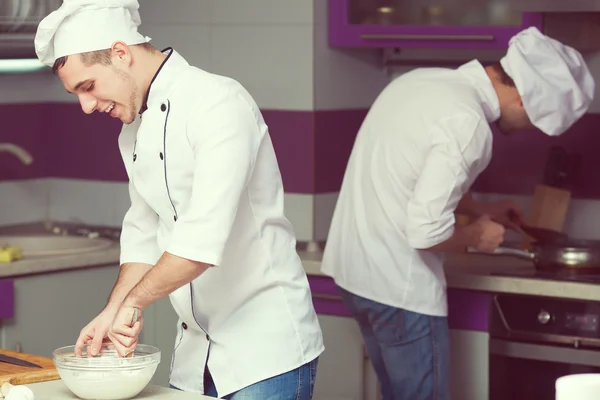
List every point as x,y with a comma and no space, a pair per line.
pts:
225,136
458,155
138,235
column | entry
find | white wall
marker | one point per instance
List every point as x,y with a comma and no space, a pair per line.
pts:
265,44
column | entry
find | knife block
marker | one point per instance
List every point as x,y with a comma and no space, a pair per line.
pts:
549,207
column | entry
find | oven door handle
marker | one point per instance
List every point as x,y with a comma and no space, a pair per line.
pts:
538,352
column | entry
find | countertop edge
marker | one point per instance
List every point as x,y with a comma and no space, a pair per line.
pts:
105,257
475,279
488,281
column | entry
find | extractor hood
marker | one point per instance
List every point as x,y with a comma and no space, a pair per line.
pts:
18,23
555,5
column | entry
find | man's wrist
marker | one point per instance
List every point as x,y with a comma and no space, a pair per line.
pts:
471,235
135,298
113,306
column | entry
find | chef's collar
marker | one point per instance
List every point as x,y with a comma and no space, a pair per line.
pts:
482,83
163,79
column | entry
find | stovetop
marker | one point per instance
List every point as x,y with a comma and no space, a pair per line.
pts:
561,275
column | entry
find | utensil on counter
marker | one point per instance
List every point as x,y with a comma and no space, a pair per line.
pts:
573,255
17,361
134,318
541,235
20,375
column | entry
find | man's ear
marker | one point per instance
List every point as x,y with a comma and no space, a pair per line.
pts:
121,51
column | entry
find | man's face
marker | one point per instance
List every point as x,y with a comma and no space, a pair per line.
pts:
110,89
513,116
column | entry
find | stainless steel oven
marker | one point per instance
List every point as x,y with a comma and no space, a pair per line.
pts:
535,340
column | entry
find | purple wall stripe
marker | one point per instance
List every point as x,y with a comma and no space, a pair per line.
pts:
292,133
7,298
312,148
335,132
519,160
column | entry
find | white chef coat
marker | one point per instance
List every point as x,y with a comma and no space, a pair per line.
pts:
421,146
205,185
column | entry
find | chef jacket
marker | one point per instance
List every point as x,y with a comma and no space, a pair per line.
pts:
421,146
205,185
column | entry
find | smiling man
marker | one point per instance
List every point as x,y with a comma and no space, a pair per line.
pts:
206,224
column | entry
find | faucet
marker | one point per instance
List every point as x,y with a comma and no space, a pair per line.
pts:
17,151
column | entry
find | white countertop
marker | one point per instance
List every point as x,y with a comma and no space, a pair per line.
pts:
56,390
106,256
463,271
478,272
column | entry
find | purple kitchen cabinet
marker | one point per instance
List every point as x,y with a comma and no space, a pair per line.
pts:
7,298
467,310
460,24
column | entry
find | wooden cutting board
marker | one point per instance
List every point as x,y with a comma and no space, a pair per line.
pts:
549,207
18,375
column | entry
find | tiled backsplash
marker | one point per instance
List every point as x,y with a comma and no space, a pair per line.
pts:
105,204
78,172
312,147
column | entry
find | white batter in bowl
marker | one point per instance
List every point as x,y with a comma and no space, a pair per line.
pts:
107,376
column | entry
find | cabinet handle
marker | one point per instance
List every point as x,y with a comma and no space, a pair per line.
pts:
326,296
375,36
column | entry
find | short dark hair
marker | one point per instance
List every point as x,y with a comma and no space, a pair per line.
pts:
502,75
102,57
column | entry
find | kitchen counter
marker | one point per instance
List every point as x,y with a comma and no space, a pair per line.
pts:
42,265
478,272
463,271
56,390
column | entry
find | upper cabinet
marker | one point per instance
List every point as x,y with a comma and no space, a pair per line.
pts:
19,20
466,24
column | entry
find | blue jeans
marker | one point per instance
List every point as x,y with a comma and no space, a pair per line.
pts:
410,352
297,384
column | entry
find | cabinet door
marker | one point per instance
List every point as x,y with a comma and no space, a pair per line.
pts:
342,366
469,364
425,24
51,309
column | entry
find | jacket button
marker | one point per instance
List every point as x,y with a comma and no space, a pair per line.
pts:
161,155
207,337
163,107
134,157
175,218
184,325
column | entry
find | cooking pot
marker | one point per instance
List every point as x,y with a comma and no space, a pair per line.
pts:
574,255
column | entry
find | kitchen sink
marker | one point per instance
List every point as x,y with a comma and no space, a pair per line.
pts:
45,245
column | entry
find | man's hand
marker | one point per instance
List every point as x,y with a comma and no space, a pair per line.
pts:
125,330
505,212
95,333
485,234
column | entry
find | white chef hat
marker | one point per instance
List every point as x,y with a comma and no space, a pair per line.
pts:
553,80
80,26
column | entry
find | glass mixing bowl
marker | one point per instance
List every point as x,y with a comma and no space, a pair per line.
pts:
107,376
